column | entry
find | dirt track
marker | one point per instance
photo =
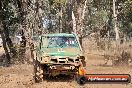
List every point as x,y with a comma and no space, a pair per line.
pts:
20,76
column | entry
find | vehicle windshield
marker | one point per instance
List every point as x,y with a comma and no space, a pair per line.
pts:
59,41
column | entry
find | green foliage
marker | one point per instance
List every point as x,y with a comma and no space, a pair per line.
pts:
57,3
102,18
100,12
60,1
9,16
125,16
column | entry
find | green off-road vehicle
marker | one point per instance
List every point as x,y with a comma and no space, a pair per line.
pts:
57,54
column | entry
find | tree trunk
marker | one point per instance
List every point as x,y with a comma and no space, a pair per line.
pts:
8,40
60,18
74,23
69,18
29,20
8,58
81,10
115,22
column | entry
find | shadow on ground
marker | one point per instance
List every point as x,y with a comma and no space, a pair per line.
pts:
60,78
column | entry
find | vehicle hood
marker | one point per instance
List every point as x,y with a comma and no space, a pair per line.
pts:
61,51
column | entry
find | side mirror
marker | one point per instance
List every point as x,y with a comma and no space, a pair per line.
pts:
82,57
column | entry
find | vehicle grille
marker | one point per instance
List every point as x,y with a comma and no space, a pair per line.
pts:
64,60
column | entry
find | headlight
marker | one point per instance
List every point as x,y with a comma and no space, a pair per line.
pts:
46,59
77,58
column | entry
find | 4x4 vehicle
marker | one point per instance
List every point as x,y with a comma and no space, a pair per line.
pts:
57,54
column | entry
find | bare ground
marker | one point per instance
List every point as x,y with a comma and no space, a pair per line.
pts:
20,76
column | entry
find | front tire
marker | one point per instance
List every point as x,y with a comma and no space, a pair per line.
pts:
38,72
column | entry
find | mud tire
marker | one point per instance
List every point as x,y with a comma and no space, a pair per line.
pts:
81,80
38,72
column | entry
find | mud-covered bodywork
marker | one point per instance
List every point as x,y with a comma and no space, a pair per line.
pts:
59,49
59,52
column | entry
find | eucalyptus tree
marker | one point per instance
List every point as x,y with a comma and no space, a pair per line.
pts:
8,23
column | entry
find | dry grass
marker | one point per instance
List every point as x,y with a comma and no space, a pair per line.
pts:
117,53
21,76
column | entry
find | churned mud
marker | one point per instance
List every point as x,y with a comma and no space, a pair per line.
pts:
21,76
